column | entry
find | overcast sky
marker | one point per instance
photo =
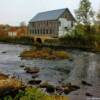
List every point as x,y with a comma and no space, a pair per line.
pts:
15,11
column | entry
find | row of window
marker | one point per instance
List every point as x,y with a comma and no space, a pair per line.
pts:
41,24
42,31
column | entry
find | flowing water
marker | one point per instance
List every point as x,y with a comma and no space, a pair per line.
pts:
83,66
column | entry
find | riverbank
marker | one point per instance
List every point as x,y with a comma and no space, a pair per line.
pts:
9,85
56,72
13,89
17,40
53,44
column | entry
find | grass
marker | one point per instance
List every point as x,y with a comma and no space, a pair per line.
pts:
31,93
7,83
56,97
12,89
2,76
45,54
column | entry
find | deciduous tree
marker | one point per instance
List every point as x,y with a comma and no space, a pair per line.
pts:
84,13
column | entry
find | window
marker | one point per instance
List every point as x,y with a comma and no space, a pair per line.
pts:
33,25
37,31
47,23
39,24
72,23
33,31
66,28
43,31
59,23
47,31
50,31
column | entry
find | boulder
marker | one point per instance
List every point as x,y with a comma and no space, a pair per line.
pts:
59,90
34,82
44,84
22,66
50,89
88,94
69,88
33,70
86,83
4,52
34,76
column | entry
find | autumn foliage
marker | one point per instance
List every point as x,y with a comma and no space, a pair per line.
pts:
45,54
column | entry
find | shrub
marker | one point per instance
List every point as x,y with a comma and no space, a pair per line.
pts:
62,54
83,35
29,94
45,54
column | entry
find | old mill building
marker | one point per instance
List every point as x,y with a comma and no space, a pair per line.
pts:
51,24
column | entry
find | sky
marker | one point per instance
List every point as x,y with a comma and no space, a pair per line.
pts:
13,12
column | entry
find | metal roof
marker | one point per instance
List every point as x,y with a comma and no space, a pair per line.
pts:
49,15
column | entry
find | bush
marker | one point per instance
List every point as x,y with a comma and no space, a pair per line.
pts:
82,35
29,94
62,54
17,40
51,41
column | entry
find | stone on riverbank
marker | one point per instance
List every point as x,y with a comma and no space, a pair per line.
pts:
50,89
31,70
22,66
35,76
34,82
4,52
89,95
86,83
67,88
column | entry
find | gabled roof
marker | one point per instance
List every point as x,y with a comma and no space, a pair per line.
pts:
50,15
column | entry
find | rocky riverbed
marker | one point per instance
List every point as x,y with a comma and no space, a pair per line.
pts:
81,71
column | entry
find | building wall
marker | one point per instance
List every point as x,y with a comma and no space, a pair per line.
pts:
64,27
12,34
66,23
44,28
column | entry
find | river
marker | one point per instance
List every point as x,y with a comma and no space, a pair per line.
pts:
82,66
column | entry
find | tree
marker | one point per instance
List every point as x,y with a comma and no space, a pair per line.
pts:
84,13
23,24
98,15
97,24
